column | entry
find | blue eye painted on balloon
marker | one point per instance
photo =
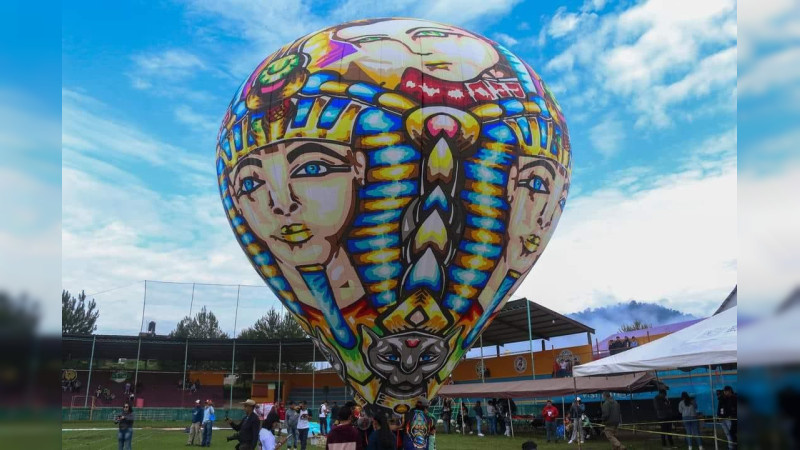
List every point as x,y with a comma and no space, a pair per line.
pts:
426,357
317,169
562,203
248,185
390,357
535,184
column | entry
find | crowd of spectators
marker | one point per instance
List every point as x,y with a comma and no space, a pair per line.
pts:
620,345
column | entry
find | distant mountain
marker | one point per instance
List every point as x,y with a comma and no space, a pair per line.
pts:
608,319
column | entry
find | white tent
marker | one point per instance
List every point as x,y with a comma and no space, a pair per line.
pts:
710,342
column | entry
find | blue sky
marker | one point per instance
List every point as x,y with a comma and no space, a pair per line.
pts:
649,90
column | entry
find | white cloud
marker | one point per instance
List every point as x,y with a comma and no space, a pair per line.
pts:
655,54
670,239
505,39
197,121
172,64
607,137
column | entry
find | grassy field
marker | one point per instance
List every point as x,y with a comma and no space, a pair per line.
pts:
166,435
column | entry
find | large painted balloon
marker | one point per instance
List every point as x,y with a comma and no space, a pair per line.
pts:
393,181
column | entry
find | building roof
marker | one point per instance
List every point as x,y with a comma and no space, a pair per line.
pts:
510,325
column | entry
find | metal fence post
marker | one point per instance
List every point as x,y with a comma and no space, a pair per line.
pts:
89,381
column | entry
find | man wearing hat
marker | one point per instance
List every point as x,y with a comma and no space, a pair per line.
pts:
248,427
576,411
195,432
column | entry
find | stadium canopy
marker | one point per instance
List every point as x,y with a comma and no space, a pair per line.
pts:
708,342
510,325
165,348
512,322
552,387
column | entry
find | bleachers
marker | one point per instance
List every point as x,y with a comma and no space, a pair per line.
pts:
157,390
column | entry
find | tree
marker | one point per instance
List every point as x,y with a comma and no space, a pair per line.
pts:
636,325
77,315
273,326
204,325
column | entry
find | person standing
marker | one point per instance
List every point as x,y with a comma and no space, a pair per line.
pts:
248,428
323,418
728,413
576,412
125,423
447,414
419,427
381,437
634,342
466,420
344,436
267,439
208,423
688,409
292,417
550,414
478,416
195,430
491,417
302,425
611,419
663,409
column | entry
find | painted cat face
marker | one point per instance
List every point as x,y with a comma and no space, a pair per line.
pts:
406,360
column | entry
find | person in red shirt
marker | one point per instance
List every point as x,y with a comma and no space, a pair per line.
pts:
344,436
550,414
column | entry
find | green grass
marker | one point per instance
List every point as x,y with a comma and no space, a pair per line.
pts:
153,436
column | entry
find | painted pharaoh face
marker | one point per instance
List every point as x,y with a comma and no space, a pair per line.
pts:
537,194
298,197
448,53
406,361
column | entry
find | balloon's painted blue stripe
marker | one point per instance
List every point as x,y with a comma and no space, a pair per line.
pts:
301,117
226,147
527,137
484,223
543,105
480,172
237,135
320,287
467,276
332,112
422,277
487,156
484,200
239,110
480,248
436,199
389,189
365,92
279,284
220,166
315,81
223,136
263,258
519,69
227,202
237,220
373,243
556,139
374,121
384,298
247,238
542,132
375,273
498,297
512,106
499,132
396,154
456,303
379,218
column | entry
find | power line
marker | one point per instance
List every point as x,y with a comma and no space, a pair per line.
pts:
113,289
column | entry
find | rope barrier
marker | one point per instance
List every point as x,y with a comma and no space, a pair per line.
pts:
639,430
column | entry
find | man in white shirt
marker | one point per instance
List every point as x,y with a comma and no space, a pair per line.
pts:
323,418
267,439
302,425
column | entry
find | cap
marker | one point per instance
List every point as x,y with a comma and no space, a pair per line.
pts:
209,401
197,402
578,398
249,402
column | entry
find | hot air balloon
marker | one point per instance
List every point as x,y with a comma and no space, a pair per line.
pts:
393,181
